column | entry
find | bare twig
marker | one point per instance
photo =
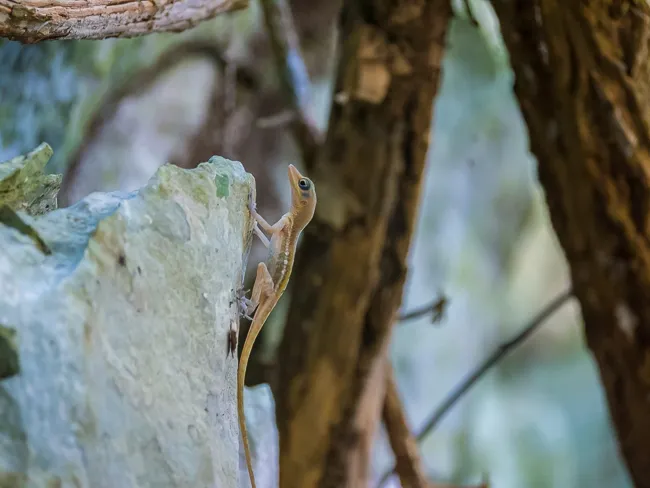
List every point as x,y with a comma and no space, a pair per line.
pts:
293,74
490,361
281,119
31,21
229,104
409,466
437,310
470,12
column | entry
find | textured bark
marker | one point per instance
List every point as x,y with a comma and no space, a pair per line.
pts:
351,268
36,20
582,82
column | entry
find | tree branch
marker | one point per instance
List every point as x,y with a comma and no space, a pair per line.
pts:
437,310
409,466
138,83
490,361
31,21
293,74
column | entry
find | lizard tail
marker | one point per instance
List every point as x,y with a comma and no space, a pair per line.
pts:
241,374
263,288
261,315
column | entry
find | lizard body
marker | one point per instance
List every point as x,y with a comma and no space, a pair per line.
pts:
272,277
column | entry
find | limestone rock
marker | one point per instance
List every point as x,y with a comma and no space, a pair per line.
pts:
121,336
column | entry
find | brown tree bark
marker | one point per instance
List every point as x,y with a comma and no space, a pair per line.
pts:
409,465
349,274
582,82
31,21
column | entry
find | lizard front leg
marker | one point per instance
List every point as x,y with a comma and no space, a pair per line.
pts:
258,218
260,234
261,222
248,305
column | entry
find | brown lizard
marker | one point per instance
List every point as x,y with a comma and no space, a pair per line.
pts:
272,277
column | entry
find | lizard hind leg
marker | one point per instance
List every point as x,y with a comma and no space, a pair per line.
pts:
246,307
263,287
263,284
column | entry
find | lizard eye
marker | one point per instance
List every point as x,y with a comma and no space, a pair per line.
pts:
303,184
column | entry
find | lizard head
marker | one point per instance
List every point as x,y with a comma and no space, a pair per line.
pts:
303,196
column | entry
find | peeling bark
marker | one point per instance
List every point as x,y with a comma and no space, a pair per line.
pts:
352,264
31,21
583,86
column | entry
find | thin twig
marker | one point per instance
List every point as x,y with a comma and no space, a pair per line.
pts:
437,309
470,12
490,361
409,466
293,73
229,104
281,119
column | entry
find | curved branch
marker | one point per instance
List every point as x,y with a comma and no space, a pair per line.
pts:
293,75
140,82
30,21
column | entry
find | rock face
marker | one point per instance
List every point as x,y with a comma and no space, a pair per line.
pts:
119,327
24,186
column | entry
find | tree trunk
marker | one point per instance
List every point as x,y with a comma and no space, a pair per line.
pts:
349,275
583,86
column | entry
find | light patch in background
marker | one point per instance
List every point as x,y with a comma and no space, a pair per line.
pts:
147,130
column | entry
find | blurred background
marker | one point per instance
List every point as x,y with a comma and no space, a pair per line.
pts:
115,110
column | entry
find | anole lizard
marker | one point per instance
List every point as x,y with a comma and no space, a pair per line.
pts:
272,277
